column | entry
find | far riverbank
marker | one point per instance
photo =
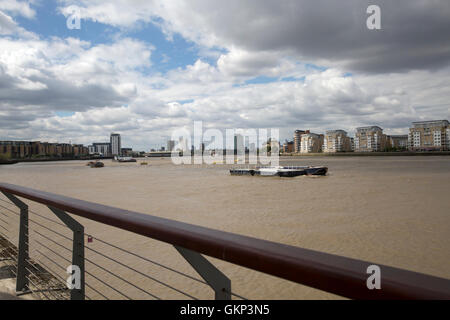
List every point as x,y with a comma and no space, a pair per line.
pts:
367,154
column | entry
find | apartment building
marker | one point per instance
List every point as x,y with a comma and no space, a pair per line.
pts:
15,149
311,143
29,149
102,148
170,145
288,147
370,139
298,140
429,136
399,142
336,141
116,144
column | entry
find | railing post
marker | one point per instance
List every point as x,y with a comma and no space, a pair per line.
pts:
77,250
22,257
220,283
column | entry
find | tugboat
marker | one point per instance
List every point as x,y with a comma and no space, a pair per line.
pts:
96,164
281,171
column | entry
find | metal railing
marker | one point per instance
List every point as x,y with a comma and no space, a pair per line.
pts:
47,244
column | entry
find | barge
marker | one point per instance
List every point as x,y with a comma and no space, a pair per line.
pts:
280,171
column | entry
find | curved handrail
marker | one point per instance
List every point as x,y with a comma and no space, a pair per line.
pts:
332,273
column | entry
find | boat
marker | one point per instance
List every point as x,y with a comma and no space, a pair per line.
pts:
96,164
124,159
280,171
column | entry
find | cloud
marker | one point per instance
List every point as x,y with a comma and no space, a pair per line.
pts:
70,74
325,100
15,7
413,36
8,27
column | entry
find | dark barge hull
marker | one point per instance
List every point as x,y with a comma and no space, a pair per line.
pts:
312,171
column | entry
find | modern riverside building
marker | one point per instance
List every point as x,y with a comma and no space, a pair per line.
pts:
336,141
370,139
239,144
288,147
102,148
35,149
311,143
399,142
429,136
298,140
91,149
16,149
116,145
352,143
170,145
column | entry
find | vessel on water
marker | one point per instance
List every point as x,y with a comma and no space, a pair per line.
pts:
124,159
280,171
96,164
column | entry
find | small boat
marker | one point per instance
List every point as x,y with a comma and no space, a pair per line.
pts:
280,171
96,164
124,159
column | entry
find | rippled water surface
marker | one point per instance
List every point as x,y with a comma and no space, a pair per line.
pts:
388,210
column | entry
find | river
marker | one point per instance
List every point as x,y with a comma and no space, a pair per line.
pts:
387,210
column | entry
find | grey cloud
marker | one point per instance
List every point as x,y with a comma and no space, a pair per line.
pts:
62,95
414,33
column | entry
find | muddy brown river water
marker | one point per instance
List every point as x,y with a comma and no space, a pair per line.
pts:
388,210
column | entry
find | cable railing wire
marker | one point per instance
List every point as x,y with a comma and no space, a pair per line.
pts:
4,214
149,260
47,228
121,278
52,272
54,252
4,221
149,277
32,263
9,209
58,244
87,272
60,255
4,228
114,246
142,274
106,284
114,260
124,250
40,289
62,268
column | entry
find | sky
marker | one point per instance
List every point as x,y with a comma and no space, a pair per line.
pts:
144,68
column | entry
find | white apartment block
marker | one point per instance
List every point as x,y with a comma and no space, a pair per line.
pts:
336,141
370,139
311,143
429,136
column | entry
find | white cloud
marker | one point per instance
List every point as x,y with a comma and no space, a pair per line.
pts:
316,31
15,7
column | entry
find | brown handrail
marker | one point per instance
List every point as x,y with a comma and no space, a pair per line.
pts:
331,273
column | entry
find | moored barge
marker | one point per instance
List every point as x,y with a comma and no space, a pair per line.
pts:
280,171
